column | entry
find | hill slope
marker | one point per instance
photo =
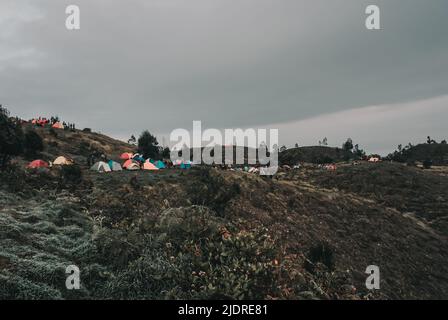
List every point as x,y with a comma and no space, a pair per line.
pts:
78,144
436,152
208,233
314,154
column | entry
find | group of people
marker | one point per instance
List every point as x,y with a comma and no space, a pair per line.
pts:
95,157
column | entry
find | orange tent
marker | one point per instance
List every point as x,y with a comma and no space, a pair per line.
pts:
58,125
149,166
128,163
126,156
38,164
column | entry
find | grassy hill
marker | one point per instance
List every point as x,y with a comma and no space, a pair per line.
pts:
78,144
209,233
314,154
436,152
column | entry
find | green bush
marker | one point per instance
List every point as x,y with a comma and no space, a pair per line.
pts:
193,254
70,176
11,138
320,253
427,164
210,189
33,144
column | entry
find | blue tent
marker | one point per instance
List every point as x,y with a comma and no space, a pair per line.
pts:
114,166
159,164
139,159
185,165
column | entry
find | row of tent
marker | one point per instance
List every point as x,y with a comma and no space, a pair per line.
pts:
60,161
134,163
159,164
130,164
43,122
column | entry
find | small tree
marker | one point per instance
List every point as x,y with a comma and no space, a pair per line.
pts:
132,140
358,152
11,138
148,145
348,145
166,153
33,144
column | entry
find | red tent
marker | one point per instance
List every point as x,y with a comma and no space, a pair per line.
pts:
38,164
126,156
129,162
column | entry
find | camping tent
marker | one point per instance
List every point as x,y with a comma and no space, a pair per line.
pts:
37,164
133,166
177,162
101,167
139,158
57,125
159,164
114,166
185,165
129,162
126,156
149,166
62,161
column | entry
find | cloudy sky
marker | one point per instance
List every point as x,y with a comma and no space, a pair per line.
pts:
309,68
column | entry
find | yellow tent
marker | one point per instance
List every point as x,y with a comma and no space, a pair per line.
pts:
62,161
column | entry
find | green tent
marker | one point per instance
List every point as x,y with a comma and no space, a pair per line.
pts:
115,166
159,164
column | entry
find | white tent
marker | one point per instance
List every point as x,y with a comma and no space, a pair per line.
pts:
133,167
101,167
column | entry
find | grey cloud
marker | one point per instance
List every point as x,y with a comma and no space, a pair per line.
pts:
161,64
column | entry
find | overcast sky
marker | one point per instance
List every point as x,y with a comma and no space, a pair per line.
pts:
310,68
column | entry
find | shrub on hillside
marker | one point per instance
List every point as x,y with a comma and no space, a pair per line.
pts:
115,249
11,138
194,255
53,133
33,144
210,189
116,209
427,164
323,160
13,179
70,176
320,253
